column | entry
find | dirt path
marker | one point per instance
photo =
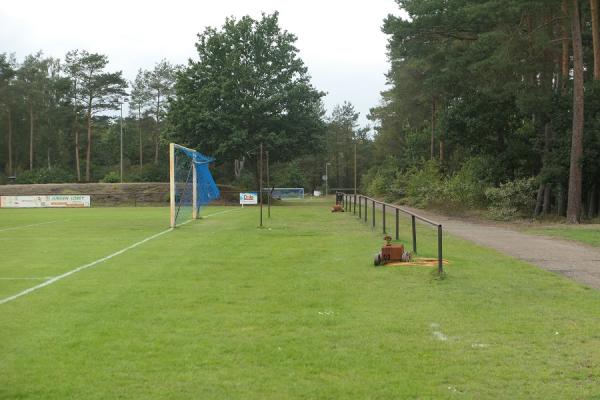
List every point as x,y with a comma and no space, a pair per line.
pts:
578,262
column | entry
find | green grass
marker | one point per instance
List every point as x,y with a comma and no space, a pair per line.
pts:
219,309
589,234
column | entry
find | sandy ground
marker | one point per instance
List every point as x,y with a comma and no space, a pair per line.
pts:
576,261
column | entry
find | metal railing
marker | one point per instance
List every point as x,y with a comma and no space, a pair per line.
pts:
350,204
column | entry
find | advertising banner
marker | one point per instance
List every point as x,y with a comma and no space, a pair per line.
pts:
248,198
52,201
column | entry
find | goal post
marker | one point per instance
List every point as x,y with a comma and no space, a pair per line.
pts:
191,184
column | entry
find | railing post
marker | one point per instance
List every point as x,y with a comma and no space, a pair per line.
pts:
397,224
440,260
354,208
373,213
360,207
414,233
383,221
366,208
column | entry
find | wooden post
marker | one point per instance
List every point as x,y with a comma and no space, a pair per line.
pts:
260,185
268,187
172,182
397,224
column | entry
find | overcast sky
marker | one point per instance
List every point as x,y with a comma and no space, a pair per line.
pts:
340,41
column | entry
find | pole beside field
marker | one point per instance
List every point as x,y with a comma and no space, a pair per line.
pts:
172,182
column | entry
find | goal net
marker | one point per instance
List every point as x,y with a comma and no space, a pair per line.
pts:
191,183
285,193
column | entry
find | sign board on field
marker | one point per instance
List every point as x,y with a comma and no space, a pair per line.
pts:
51,201
248,198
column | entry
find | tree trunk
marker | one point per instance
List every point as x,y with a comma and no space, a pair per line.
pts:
560,200
565,47
88,153
10,154
30,137
575,170
592,201
76,133
140,132
539,200
595,38
547,199
433,105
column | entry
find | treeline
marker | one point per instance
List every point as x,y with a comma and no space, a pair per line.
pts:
492,103
60,119
61,123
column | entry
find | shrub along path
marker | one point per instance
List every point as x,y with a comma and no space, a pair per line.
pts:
576,261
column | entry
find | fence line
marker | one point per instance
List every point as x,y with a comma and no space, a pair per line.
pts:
350,204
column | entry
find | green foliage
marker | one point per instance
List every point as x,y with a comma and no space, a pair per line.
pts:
466,187
246,181
512,199
45,175
111,177
288,175
380,180
149,173
248,86
423,184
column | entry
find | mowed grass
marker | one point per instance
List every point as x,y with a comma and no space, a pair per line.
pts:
589,234
219,309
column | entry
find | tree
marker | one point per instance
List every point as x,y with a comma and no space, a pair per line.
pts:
575,171
159,85
7,74
33,80
342,131
140,100
97,90
248,86
594,10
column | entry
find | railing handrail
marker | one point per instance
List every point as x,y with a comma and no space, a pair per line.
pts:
347,198
417,216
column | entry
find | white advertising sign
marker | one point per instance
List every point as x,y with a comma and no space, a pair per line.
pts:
52,201
248,198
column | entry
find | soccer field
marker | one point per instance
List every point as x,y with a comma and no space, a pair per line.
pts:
219,309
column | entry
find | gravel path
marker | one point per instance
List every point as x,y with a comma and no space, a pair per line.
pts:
578,262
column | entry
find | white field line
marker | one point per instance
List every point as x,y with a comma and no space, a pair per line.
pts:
93,263
223,212
26,226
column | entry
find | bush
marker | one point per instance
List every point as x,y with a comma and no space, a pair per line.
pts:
45,175
423,185
466,187
380,181
111,177
512,199
149,173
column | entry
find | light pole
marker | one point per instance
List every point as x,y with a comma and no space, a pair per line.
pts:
326,179
121,101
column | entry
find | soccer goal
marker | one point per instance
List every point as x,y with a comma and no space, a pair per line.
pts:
191,183
286,193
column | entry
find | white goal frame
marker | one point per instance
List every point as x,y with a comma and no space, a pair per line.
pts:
173,203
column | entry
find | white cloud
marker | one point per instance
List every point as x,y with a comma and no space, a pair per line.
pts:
340,41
